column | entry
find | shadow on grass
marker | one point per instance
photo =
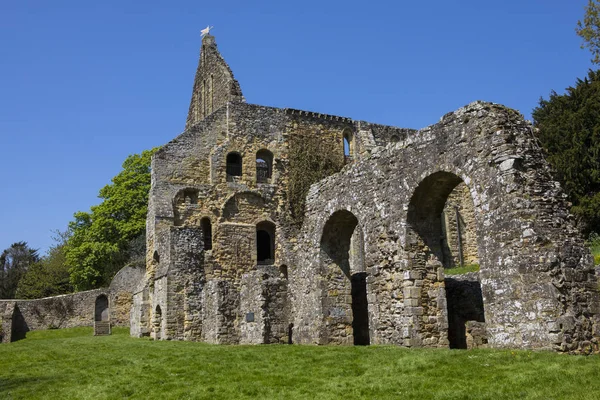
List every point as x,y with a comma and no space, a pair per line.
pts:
17,384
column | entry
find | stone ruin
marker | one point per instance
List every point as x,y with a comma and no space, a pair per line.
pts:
235,256
101,308
269,225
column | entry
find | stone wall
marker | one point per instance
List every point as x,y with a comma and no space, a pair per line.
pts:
364,248
66,311
214,84
536,273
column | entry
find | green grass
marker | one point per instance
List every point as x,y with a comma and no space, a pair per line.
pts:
594,243
73,364
462,270
596,253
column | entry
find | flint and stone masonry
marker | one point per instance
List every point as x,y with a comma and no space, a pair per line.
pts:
270,225
229,260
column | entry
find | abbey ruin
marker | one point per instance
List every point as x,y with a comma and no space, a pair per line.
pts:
270,225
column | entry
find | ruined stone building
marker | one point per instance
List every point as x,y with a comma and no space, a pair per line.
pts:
270,225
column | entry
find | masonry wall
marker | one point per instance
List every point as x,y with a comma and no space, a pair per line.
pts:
66,311
536,274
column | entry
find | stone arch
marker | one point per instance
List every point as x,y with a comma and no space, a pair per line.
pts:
184,204
349,145
265,243
233,165
283,271
206,227
101,316
430,244
345,307
243,205
101,309
264,166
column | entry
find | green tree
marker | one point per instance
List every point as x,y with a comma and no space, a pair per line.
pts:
101,241
14,262
589,30
568,127
50,275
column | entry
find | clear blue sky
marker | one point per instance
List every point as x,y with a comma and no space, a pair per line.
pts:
84,84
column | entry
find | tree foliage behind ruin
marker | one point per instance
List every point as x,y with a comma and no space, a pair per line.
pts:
569,130
589,30
310,159
104,238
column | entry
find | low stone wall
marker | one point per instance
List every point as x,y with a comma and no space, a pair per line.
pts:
17,317
66,311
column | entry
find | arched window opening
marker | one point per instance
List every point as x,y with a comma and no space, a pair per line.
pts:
156,257
265,243
283,271
206,232
394,139
264,166
348,146
343,262
210,94
234,166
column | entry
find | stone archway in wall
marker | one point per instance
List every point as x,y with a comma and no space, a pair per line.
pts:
345,307
441,232
102,316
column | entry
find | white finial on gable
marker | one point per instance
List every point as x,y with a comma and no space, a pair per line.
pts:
206,31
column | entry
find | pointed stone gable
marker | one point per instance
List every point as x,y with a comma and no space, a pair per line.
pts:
214,85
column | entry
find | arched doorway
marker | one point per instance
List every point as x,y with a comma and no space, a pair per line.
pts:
345,306
101,316
442,231
265,243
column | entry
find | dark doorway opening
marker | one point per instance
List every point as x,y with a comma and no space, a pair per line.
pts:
345,296
206,232
101,309
19,327
360,309
265,243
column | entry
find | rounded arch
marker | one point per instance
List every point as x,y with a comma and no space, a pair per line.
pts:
264,166
349,145
183,205
233,165
283,271
342,265
101,310
433,216
244,203
441,231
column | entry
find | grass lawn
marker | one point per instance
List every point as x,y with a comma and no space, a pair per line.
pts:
73,364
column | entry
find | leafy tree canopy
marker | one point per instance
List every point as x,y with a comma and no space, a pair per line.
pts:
101,240
569,130
14,262
49,276
589,30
